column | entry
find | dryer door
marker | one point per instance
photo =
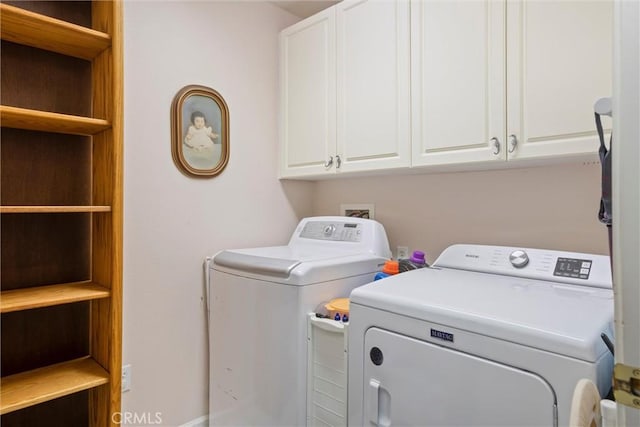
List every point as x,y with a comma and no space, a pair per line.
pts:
413,382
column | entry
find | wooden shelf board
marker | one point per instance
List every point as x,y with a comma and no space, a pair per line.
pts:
40,385
23,118
33,29
53,209
46,296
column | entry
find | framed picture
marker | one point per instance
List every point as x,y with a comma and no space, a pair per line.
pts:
199,131
358,211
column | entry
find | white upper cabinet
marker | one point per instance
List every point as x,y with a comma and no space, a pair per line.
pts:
308,95
373,85
458,81
559,62
467,108
373,93
347,65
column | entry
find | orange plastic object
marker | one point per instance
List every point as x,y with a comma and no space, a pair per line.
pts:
337,305
391,267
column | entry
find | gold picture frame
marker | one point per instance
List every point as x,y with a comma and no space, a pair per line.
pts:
199,131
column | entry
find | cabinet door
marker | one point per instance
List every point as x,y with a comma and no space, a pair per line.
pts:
458,81
373,85
559,63
307,99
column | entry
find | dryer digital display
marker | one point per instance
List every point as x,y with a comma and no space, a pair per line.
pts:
572,267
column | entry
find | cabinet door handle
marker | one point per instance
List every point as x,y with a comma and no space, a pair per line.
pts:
338,162
328,164
513,143
495,143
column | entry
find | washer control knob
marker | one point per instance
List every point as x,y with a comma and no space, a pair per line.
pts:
519,258
329,229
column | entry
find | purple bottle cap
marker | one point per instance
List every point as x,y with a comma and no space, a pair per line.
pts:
417,257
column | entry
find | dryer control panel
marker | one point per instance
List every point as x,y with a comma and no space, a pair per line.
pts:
542,264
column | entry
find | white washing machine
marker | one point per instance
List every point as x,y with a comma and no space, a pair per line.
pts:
490,336
259,301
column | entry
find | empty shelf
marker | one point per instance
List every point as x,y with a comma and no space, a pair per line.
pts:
40,385
53,209
40,31
45,296
23,118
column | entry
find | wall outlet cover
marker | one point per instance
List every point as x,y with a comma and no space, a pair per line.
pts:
126,378
402,252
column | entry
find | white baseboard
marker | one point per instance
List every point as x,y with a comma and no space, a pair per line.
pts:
202,421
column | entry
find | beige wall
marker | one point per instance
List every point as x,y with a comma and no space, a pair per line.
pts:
173,222
551,207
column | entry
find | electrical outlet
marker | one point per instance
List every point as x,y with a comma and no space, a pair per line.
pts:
402,252
126,378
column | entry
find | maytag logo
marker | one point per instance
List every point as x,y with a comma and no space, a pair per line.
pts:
471,256
445,336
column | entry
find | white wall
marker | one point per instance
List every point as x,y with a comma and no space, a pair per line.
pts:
551,207
171,221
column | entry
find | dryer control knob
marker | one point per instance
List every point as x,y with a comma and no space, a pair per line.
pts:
519,258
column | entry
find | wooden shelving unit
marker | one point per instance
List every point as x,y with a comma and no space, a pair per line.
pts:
61,205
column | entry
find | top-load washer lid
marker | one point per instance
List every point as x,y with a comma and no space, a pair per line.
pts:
287,265
557,317
268,266
320,249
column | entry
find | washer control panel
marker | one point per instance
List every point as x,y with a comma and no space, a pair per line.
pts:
334,231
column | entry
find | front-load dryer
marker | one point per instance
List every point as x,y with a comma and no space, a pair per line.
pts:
490,336
259,302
